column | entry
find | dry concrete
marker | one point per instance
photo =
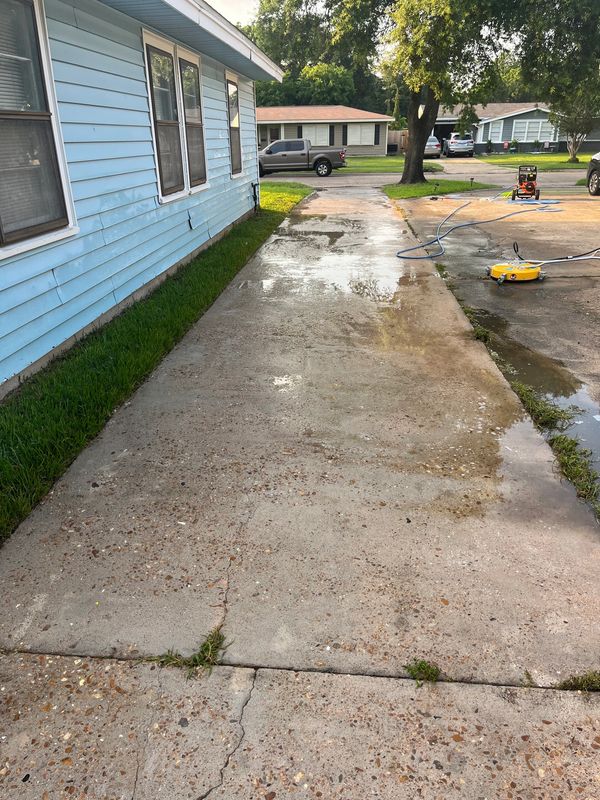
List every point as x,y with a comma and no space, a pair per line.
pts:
332,468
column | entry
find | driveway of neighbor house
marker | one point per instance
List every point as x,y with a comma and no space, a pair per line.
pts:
332,468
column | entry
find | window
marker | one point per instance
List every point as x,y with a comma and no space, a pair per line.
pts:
235,144
274,134
32,196
294,147
331,135
496,131
344,135
194,133
361,134
299,132
533,130
176,98
278,147
377,134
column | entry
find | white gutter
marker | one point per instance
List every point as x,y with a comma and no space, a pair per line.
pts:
203,15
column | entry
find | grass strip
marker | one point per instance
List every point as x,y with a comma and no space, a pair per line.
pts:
545,162
365,165
546,415
588,682
404,191
46,423
203,660
576,465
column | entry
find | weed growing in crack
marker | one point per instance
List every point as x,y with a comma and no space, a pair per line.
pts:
442,271
203,660
528,680
423,671
576,465
481,334
588,682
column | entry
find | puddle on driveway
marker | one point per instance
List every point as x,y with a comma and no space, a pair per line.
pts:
551,378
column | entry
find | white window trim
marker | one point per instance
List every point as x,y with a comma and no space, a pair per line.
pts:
10,250
538,135
235,78
177,52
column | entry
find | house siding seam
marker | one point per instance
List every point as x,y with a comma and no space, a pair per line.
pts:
126,238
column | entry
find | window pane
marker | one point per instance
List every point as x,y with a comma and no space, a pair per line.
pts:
163,85
236,153
21,85
190,82
195,145
30,188
234,108
169,157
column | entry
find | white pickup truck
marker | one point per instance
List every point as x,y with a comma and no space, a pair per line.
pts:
290,155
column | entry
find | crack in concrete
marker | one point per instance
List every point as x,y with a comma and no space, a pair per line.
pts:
238,560
238,744
141,753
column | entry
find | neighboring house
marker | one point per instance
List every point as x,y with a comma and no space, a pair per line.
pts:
361,132
127,143
503,122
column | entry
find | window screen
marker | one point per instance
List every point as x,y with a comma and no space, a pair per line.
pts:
344,135
235,144
299,132
331,135
31,193
166,120
194,134
377,134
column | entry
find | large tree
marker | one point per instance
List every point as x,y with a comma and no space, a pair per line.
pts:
576,113
444,50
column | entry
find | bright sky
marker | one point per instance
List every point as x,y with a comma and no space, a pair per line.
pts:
235,11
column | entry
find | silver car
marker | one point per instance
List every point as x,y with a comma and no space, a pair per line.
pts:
459,144
433,148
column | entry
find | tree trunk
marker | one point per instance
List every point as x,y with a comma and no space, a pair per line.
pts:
574,142
419,129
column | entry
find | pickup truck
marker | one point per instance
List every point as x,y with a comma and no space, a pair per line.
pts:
291,155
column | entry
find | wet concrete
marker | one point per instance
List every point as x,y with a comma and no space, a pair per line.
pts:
548,332
332,468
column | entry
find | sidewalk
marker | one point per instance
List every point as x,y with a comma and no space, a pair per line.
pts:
331,467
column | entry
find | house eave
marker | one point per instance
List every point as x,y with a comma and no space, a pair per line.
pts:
209,33
321,121
483,120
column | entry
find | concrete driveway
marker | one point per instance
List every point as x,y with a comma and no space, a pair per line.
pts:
332,468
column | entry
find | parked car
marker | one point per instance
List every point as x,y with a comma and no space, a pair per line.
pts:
593,175
289,155
459,144
433,148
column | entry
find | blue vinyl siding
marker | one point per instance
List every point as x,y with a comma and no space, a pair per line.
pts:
126,237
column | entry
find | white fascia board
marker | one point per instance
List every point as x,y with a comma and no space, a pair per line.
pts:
203,15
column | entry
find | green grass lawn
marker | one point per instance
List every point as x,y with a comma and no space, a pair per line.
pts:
545,162
397,191
46,423
581,182
377,164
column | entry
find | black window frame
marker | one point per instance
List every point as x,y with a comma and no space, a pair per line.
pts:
193,124
345,135
299,132
31,231
156,123
229,81
331,135
377,138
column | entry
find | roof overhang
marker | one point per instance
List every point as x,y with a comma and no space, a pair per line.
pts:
513,114
320,121
201,28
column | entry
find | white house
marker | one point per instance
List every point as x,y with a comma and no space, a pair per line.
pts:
361,132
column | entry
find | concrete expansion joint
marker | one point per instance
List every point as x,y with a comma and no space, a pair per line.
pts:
238,744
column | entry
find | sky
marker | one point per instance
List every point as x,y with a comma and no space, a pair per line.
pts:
235,11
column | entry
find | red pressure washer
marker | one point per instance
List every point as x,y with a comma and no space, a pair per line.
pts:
526,187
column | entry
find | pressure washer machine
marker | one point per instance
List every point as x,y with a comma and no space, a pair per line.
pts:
526,187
